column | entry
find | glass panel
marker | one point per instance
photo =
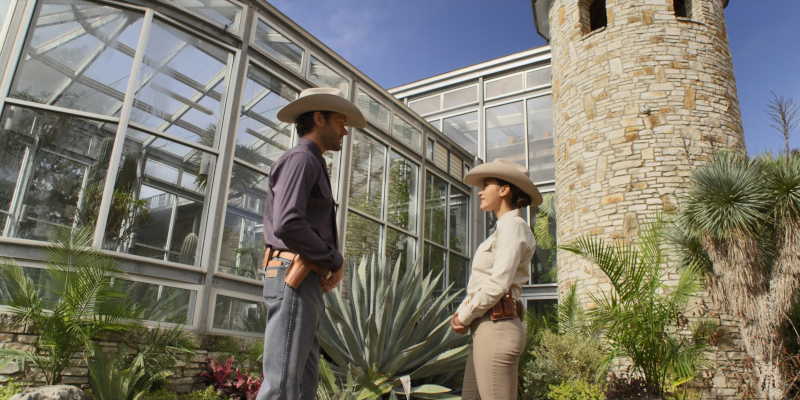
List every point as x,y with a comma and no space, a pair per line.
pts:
544,309
182,83
156,217
458,272
42,281
261,138
366,174
407,133
374,111
505,85
437,123
460,97
278,45
159,303
403,195
57,163
435,263
243,234
429,148
332,159
440,157
427,105
363,239
505,133
538,77
402,247
436,210
222,12
5,8
540,139
459,208
234,314
543,266
323,76
76,56
463,129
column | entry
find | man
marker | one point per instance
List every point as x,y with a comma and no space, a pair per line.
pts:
300,224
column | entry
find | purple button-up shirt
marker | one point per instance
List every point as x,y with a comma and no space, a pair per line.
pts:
300,213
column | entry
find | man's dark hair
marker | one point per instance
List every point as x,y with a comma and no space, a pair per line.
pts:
305,122
519,199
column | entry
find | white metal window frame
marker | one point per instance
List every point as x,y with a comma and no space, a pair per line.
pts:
524,89
319,57
538,87
414,125
367,91
6,21
304,56
383,222
239,20
468,246
441,94
214,292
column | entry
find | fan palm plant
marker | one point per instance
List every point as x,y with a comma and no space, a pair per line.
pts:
639,315
742,224
393,331
72,303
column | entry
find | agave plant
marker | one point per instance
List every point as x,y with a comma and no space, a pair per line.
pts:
393,332
638,317
70,304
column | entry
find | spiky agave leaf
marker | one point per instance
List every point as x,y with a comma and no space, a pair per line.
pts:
393,325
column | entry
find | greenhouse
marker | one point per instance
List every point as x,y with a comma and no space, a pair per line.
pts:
153,125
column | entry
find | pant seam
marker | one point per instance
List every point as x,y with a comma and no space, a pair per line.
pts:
290,328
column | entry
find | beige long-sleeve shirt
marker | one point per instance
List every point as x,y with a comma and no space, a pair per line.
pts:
501,262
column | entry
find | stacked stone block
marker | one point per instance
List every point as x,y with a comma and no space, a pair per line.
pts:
639,104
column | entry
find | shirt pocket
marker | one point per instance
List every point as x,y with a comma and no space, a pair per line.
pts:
274,281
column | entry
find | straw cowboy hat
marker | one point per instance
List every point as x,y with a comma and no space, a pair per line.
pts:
322,99
508,171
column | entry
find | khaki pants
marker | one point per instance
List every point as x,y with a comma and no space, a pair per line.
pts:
492,370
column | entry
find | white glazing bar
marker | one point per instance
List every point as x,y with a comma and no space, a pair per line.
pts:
211,240
119,141
5,22
19,45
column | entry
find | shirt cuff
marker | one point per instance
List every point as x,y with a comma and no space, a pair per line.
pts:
338,260
465,315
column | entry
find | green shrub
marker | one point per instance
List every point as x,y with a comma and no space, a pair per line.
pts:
160,394
560,358
9,389
208,393
575,390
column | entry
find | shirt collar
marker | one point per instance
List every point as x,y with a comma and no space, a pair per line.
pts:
510,214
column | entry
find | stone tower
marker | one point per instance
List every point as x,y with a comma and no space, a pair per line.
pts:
643,92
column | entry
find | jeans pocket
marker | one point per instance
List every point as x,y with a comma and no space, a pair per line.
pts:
274,283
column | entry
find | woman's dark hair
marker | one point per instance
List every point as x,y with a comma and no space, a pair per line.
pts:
305,122
519,199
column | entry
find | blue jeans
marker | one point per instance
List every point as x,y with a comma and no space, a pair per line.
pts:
291,348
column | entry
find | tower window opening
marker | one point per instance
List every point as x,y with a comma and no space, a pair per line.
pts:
683,8
598,18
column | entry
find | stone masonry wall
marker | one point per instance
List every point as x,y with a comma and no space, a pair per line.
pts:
638,105
184,379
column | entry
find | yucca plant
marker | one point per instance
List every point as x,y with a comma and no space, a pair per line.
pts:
742,224
393,332
641,313
72,302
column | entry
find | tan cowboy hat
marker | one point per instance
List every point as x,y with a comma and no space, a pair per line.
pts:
322,99
508,171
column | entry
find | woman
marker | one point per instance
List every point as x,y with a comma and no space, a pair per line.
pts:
501,265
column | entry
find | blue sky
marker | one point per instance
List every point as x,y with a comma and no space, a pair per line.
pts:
396,42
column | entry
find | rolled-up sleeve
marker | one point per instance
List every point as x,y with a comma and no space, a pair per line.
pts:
510,245
291,192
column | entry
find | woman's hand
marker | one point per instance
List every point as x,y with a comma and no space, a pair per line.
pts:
457,326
